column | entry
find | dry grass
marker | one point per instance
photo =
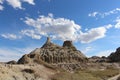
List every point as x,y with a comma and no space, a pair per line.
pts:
25,72
31,71
87,75
105,74
81,75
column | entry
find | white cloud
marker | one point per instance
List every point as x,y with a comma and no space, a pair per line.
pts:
104,53
59,28
64,29
50,15
93,14
87,49
117,25
29,1
31,33
108,26
102,15
10,36
93,34
1,7
17,4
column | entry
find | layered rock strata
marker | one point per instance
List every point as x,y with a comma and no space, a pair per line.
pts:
53,54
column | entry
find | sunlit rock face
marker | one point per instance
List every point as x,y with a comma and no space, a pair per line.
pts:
54,54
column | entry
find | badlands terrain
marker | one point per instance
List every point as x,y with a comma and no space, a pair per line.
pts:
54,62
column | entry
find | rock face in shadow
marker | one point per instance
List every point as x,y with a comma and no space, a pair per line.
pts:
29,59
11,62
54,54
115,56
97,59
69,45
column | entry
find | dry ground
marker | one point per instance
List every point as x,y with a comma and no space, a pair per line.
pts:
92,71
25,72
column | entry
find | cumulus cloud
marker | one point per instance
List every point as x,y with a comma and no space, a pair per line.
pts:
29,1
10,36
17,4
102,15
93,34
108,26
117,25
57,28
64,29
31,33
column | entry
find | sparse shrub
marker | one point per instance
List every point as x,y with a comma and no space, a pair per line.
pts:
29,71
105,73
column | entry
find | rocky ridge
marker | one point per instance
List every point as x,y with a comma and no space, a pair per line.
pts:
66,56
115,56
54,62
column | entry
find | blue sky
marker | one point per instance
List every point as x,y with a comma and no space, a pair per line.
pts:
92,25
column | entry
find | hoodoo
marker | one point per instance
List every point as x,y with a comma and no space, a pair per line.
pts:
55,55
68,44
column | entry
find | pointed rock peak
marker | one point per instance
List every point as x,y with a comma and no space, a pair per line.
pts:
49,44
69,44
48,40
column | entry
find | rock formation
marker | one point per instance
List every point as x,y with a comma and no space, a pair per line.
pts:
97,59
115,56
69,45
11,62
53,54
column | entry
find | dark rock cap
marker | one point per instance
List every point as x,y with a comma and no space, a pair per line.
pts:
69,44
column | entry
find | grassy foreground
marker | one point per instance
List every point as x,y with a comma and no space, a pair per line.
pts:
87,75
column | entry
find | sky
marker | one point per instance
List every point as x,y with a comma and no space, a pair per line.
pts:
92,25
